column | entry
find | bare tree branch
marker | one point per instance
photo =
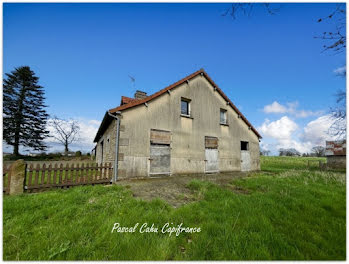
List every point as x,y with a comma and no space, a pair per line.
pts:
336,37
67,131
338,128
318,151
246,9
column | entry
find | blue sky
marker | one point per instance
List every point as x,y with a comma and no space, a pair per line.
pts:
84,53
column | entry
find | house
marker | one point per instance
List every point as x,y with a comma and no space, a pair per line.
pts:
190,126
336,153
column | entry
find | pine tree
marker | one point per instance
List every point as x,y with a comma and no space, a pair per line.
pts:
24,114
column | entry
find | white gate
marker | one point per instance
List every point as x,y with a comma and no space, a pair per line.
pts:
211,160
245,160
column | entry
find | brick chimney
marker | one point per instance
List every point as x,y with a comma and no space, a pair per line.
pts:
140,95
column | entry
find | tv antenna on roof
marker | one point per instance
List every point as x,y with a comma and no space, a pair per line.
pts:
133,81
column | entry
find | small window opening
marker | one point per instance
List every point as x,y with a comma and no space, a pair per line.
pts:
244,145
223,117
102,143
185,106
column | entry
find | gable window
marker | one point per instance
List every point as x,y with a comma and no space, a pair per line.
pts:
185,107
244,145
223,117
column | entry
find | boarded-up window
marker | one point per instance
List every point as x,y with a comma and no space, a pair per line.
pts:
160,137
211,142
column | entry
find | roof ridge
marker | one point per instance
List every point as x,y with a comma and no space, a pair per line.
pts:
162,91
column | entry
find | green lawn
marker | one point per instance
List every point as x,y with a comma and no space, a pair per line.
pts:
284,212
279,164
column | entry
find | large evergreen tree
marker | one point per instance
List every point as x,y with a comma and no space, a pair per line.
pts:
25,117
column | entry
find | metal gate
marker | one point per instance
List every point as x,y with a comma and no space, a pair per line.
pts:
245,160
211,154
211,160
160,159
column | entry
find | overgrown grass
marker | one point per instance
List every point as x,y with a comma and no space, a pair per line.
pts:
279,164
285,215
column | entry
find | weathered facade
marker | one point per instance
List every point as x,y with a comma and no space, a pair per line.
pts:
336,153
188,127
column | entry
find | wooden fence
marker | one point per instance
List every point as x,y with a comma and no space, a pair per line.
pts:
317,164
44,176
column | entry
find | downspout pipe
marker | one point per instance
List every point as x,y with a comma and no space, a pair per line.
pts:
117,119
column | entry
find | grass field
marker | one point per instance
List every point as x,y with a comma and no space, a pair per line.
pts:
284,212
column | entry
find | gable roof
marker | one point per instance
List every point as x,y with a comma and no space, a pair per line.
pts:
174,85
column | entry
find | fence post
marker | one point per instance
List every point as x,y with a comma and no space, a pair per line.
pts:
17,177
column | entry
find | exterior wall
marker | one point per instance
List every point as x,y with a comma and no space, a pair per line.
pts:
108,147
336,161
188,134
336,148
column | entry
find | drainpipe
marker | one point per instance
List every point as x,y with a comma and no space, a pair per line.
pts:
117,119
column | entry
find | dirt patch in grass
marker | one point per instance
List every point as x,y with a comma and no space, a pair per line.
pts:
173,188
238,189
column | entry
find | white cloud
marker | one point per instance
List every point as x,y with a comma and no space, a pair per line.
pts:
282,132
340,70
290,108
279,129
285,133
275,107
316,131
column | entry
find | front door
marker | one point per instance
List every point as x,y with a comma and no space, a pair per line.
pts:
160,160
211,160
245,160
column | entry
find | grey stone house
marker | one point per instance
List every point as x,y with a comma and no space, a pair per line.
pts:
190,126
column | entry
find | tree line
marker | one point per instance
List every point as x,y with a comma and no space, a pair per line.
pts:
317,151
25,119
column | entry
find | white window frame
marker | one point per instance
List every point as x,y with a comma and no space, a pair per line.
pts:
188,101
225,115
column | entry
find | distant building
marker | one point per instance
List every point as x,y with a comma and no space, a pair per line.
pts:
69,153
33,154
336,153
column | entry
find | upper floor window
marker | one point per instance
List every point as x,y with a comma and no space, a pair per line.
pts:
185,106
223,117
